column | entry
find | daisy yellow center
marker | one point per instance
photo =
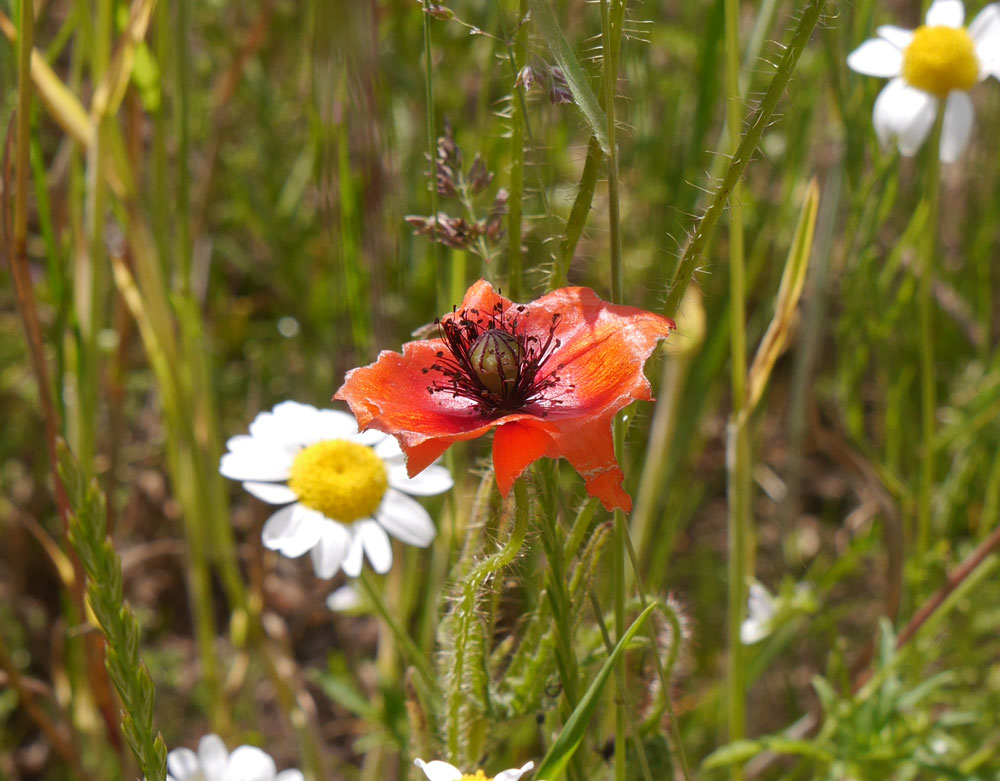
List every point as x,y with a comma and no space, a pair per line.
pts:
478,776
343,480
940,59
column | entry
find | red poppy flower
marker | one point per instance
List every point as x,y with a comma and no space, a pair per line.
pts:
549,376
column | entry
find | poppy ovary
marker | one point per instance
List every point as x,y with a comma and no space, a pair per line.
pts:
496,360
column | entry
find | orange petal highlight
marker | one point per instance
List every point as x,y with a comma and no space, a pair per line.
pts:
515,446
589,447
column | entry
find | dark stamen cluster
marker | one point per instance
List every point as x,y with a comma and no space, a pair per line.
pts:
512,367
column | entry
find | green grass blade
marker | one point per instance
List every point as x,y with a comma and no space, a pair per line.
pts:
572,733
584,96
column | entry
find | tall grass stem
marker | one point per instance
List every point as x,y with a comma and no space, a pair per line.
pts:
738,454
925,314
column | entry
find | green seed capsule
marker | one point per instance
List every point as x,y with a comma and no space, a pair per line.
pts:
495,358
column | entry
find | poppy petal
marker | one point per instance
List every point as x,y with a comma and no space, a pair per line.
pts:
515,446
590,357
482,297
589,447
391,395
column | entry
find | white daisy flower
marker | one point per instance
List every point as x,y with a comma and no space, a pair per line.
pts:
937,62
213,762
343,489
761,609
442,771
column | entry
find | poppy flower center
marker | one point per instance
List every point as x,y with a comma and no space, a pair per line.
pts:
496,361
479,775
940,59
343,480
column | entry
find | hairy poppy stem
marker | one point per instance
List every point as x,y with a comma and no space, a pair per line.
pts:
691,258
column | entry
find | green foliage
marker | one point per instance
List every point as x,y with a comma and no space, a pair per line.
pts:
88,524
564,746
238,237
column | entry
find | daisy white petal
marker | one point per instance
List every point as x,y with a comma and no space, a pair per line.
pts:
309,525
405,519
986,24
328,554
240,441
292,530
388,449
289,422
985,32
957,127
294,411
332,424
761,609
248,763
945,13
989,57
378,549
904,112
514,775
438,770
182,763
917,126
256,464
897,36
355,555
213,762
213,757
272,493
876,57
267,428
371,437
432,481
343,599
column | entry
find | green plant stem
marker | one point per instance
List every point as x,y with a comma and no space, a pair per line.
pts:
611,21
738,449
691,258
661,436
437,249
417,657
466,614
25,37
925,312
205,511
182,81
609,644
663,671
515,204
279,669
739,489
89,279
559,601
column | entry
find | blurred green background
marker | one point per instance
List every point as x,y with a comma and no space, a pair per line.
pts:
254,181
